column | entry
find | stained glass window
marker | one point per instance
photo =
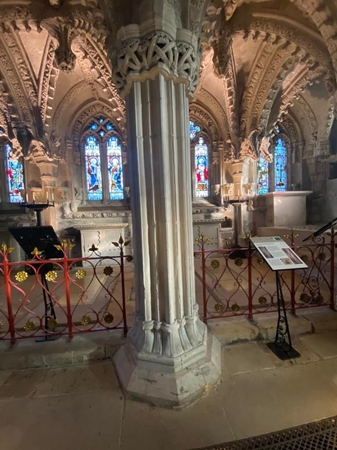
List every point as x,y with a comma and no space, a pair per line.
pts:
262,176
201,169
280,158
109,126
93,126
15,177
194,129
93,169
115,169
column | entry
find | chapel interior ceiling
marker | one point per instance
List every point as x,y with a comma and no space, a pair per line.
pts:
271,61
264,63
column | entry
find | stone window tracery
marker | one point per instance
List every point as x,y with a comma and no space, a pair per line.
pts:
103,161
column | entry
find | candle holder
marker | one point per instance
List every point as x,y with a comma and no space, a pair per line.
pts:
38,208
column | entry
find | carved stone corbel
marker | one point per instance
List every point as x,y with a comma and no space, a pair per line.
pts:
65,58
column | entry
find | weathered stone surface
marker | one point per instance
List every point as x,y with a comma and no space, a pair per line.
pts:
231,331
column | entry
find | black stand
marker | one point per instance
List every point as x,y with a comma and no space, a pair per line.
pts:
282,346
322,230
45,239
236,253
38,208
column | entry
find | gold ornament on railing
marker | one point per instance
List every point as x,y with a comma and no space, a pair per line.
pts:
51,275
202,239
321,256
108,271
219,308
85,320
64,246
260,261
235,308
121,243
263,300
215,263
52,323
80,273
238,262
36,252
29,325
292,236
108,318
5,249
21,276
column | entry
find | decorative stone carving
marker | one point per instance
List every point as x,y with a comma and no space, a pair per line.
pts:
264,149
156,50
65,58
247,150
39,150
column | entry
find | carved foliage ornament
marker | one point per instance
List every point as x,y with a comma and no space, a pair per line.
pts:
247,150
264,150
159,49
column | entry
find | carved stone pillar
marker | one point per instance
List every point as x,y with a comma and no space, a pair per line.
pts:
170,357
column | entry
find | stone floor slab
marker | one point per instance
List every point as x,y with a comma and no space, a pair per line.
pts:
250,357
324,344
4,375
22,384
151,428
272,400
78,379
66,422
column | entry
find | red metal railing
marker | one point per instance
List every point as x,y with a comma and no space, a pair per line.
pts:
245,286
45,298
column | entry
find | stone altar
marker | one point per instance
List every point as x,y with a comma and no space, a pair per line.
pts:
286,209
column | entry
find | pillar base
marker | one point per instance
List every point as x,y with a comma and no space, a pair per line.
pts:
169,381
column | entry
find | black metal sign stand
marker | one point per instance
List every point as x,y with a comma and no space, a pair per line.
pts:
282,346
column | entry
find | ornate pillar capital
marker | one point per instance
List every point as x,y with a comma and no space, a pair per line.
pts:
139,58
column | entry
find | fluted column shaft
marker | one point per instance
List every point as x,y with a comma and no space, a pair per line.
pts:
159,155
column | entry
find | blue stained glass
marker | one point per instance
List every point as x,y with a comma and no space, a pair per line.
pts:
280,158
109,126
101,120
93,169
201,169
93,126
194,129
262,176
102,133
15,178
115,169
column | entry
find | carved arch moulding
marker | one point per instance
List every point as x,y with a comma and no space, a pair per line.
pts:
320,12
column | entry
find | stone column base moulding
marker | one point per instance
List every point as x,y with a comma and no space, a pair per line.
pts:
169,382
